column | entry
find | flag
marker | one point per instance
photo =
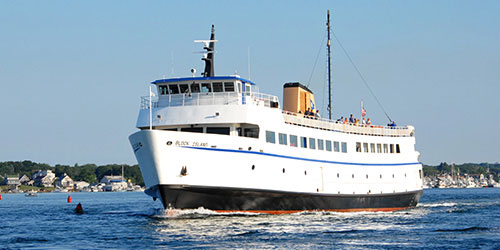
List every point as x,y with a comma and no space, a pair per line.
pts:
363,110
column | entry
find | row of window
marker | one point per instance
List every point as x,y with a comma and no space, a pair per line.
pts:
172,89
377,148
305,142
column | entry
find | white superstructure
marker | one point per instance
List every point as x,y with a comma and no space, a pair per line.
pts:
218,143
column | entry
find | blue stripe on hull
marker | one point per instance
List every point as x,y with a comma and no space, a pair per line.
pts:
301,158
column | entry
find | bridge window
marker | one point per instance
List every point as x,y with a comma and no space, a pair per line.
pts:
372,147
379,148
195,88
270,137
312,143
282,139
218,130
163,90
397,149
229,87
173,89
184,88
293,140
328,145
391,147
386,149
217,86
206,87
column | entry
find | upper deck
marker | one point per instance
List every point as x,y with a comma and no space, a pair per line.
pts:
233,90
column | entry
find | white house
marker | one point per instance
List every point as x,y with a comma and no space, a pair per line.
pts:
80,185
65,182
44,178
11,180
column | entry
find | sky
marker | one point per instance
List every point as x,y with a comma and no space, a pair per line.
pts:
72,72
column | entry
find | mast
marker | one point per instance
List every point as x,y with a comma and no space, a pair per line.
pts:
209,59
329,69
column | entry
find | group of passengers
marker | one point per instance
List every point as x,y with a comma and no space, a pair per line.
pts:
354,121
311,114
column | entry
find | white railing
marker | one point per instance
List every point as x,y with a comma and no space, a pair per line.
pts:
223,98
325,124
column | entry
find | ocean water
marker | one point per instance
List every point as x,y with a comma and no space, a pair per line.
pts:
444,219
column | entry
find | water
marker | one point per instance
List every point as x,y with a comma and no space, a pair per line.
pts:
446,219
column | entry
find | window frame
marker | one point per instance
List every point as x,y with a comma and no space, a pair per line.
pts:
270,136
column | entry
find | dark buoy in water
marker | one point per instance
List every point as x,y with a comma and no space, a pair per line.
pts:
79,209
69,198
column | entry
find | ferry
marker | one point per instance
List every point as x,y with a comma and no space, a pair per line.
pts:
216,142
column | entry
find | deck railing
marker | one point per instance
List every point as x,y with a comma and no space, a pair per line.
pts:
325,124
222,98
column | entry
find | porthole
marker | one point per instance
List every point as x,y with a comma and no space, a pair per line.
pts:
392,175
253,167
366,176
283,170
380,176
353,176
338,175
305,172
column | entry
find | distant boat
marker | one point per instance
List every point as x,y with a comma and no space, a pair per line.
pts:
31,194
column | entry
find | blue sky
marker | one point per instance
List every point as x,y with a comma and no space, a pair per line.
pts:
72,72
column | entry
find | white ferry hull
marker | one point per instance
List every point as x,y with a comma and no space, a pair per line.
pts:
224,173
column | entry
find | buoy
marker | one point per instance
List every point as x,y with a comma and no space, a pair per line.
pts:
0,197
79,209
69,198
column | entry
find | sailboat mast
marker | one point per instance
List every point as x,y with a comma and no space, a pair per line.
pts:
329,69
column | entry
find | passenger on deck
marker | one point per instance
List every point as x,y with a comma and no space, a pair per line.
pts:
308,112
351,119
317,114
341,120
368,122
363,122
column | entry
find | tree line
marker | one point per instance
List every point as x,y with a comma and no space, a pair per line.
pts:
90,173
466,168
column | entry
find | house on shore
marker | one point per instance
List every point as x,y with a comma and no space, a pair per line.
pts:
25,180
65,182
81,186
44,178
12,181
114,183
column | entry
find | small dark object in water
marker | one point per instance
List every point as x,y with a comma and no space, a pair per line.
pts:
79,209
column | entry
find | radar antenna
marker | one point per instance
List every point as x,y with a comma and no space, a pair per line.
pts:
208,55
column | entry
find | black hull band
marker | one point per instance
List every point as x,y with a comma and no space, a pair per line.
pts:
235,199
